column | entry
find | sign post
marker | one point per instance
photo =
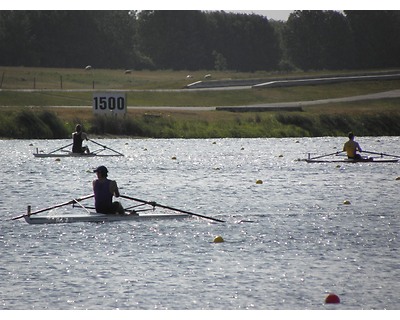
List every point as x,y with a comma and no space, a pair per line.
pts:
109,103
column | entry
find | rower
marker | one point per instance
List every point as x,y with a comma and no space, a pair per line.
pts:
77,137
104,189
351,147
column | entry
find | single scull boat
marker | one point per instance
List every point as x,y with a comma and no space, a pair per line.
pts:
91,216
63,152
344,159
99,217
368,160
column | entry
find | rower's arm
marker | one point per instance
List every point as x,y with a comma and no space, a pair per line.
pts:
114,188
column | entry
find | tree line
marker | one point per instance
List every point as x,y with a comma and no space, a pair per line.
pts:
200,40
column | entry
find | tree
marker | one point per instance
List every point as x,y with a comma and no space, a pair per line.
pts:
174,39
248,42
16,39
377,38
318,40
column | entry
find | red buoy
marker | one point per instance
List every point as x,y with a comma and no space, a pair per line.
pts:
332,298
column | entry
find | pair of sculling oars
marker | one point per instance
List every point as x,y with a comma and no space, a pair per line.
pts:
381,154
154,204
105,147
54,207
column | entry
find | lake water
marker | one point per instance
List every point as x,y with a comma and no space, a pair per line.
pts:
289,241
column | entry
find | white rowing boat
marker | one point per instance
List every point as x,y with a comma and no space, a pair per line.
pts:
91,216
368,160
63,152
73,154
384,158
99,217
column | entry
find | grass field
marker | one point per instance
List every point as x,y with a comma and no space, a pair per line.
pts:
156,88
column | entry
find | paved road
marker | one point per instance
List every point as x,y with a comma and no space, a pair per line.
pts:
373,96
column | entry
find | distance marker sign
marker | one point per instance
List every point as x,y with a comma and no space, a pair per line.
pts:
109,103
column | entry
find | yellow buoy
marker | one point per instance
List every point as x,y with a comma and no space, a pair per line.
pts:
259,181
218,239
346,202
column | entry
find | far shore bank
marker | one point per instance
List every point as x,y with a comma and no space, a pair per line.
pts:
376,117
159,107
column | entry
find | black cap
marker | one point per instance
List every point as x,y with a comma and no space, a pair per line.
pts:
102,169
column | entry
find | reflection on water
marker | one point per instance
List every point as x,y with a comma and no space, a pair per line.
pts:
300,242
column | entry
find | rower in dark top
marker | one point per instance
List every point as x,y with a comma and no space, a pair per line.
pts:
77,137
104,189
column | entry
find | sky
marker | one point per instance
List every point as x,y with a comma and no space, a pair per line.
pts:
277,10
251,5
270,14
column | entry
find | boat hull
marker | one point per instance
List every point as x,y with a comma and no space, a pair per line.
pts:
99,217
354,161
71,154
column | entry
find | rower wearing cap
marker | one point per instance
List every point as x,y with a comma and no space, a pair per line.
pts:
104,189
351,147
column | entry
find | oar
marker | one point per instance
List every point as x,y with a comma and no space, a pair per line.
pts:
54,207
61,148
326,155
105,147
381,154
154,204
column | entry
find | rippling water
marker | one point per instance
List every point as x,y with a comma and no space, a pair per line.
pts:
298,243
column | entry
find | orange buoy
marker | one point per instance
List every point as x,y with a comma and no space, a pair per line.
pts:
332,298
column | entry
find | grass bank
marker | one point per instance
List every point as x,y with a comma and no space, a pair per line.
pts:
372,118
31,113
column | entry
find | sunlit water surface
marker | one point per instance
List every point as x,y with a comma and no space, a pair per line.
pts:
288,241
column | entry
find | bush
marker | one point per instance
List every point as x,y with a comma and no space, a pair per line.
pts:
29,125
54,124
